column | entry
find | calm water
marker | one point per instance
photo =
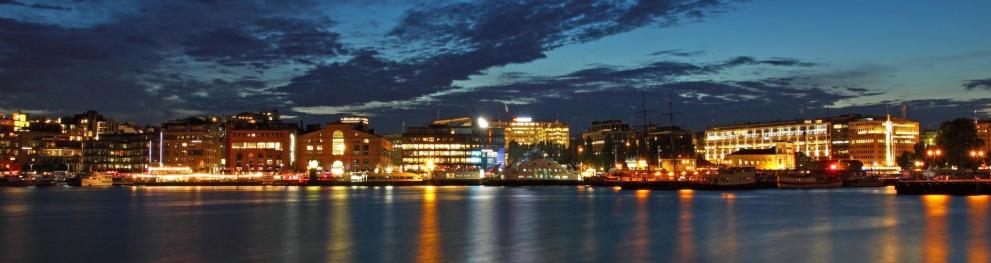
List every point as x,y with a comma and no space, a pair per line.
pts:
487,224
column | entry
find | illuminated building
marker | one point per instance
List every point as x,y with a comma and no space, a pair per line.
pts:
346,147
194,142
124,151
601,131
86,126
848,137
810,137
453,148
20,121
984,133
260,150
779,157
525,131
877,142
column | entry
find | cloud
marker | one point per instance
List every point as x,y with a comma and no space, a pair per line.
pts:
186,55
34,5
677,53
450,42
973,84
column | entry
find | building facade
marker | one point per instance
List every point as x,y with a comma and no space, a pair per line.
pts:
194,142
984,133
118,152
810,137
866,139
344,148
779,157
601,131
453,148
877,142
266,150
526,131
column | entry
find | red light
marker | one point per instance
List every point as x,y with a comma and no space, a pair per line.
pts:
832,167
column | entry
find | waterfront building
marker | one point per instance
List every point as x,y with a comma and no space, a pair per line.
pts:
526,131
193,142
126,150
847,137
877,142
345,148
779,157
396,155
810,137
984,133
269,150
615,131
453,148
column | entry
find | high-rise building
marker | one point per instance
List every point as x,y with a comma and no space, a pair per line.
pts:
345,148
453,148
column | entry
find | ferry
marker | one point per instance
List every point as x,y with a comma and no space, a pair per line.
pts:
540,169
97,179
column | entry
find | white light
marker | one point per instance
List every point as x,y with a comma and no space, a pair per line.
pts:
523,119
482,123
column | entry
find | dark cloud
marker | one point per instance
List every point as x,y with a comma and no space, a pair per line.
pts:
141,64
744,60
677,53
34,5
973,84
452,42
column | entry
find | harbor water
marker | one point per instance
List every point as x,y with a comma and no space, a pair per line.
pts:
488,224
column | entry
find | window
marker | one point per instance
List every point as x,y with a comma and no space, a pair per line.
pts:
338,143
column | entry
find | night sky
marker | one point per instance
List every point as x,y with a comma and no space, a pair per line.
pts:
724,62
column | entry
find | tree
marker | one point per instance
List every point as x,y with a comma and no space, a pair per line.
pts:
957,138
906,160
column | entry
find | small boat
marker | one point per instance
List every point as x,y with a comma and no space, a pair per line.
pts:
864,181
97,179
803,182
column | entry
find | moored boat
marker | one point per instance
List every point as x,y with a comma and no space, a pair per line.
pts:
97,179
805,182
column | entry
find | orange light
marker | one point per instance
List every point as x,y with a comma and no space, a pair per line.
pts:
832,167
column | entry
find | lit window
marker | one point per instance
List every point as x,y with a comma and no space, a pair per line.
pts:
337,146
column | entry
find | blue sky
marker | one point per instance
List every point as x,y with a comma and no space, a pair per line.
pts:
405,61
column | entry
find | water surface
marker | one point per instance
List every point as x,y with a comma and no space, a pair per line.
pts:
487,224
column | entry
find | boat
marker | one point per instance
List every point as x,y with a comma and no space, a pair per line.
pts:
44,180
805,182
734,177
864,181
97,179
540,169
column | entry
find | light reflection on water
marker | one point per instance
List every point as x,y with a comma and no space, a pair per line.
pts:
487,224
